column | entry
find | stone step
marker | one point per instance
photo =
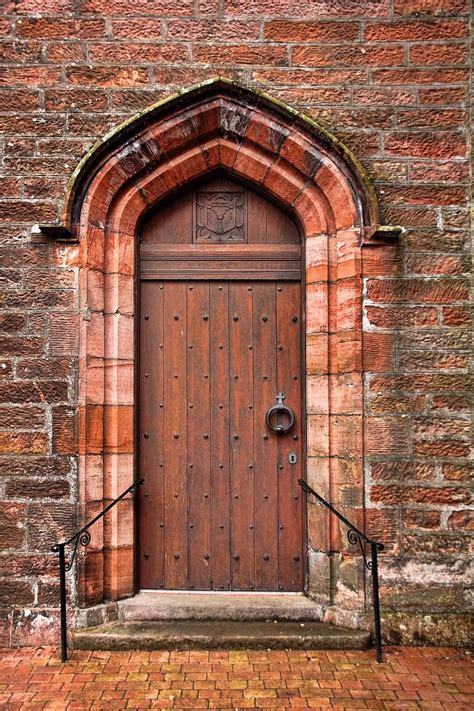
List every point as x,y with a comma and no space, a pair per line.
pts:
218,606
180,634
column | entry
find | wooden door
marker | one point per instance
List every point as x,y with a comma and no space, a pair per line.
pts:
220,338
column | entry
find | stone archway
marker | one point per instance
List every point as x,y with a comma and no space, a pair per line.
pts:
219,125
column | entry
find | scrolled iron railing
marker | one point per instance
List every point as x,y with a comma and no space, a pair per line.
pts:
83,538
355,536
80,538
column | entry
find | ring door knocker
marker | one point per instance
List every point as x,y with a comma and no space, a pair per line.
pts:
280,407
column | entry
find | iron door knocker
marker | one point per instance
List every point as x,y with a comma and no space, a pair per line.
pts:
280,407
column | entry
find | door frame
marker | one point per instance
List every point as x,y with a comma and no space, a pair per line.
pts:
137,321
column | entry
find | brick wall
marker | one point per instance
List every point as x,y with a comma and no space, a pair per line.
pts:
390,78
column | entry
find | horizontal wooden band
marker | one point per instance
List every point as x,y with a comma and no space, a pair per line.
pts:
216,275
216,252
214,262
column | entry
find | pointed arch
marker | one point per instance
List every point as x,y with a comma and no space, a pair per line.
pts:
216,125
224,122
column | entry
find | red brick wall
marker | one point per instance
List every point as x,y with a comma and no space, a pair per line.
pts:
390,78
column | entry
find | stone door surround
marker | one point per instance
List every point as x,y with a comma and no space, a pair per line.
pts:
218,125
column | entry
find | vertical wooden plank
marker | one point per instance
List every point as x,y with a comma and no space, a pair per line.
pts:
174,325
265,442
280,227
198,435
151,436
171,223
220,451
257,218
289,382
241,436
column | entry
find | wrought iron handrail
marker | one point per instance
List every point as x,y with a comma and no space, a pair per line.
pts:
355,536
83,538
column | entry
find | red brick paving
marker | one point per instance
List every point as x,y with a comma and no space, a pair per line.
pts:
409,678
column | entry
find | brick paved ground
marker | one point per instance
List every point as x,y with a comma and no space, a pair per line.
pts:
410,678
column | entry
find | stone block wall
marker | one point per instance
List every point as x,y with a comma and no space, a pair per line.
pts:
390,78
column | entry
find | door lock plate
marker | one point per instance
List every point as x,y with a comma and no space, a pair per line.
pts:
292,458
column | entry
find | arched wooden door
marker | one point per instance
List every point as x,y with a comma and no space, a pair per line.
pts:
220,339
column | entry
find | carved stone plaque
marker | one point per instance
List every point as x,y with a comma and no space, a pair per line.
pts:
220,217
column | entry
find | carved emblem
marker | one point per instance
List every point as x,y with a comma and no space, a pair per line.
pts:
220,217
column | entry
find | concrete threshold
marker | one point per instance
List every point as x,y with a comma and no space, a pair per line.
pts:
226,606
